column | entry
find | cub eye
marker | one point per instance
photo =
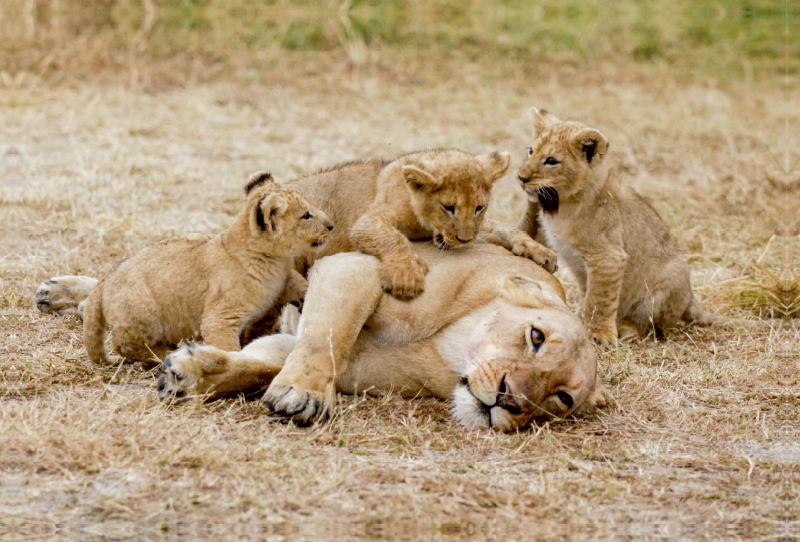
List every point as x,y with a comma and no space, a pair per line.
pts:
565,398
478,209
537,339
550,161
530,152
308,216
450,209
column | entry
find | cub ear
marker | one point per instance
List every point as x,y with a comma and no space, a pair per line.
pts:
541,119
591,144
265,214
257,179
418,179
527,292
495,165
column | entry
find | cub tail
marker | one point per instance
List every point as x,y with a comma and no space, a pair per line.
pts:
94,328
696,314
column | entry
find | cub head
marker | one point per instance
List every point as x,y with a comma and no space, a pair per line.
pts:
531,359
562,160
281,219
450,192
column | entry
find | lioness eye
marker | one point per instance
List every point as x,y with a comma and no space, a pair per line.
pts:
530,152
550,161
308,216
565,398
478,209
537,339
449,208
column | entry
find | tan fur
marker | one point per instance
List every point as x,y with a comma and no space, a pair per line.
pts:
467,338
628,268
212,287
64,295
437,194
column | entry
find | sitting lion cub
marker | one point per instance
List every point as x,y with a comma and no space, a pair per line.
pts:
443,194
627,266
197,284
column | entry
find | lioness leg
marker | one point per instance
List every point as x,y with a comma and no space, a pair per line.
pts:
206,371
343,292
64,295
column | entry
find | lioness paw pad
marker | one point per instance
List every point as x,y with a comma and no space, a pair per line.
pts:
303,407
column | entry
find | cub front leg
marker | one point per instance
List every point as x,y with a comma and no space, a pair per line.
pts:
604,281
403,273
220,329
519,243
343,292
294,290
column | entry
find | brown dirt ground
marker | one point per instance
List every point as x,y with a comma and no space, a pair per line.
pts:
701,442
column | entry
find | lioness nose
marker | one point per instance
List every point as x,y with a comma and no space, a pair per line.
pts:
506,399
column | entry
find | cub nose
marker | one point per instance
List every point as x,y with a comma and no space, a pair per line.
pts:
524,180
460,240
330,227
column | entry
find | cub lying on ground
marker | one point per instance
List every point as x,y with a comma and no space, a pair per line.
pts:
379,207
628,268
198,285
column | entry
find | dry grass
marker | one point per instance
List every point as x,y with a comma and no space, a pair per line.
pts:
701,443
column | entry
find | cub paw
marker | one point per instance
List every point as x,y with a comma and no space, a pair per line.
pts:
184,371
64,295
528,248
606,338
405,279
300,405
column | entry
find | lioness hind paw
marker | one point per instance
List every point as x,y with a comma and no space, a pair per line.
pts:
63,295
178,379
303,407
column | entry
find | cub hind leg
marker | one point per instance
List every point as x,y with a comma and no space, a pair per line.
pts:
64,295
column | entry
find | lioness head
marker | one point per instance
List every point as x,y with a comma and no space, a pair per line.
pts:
282,219
529,360
561,159
450,192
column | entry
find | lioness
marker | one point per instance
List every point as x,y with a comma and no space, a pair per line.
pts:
198,285
627,266
438,194
491,332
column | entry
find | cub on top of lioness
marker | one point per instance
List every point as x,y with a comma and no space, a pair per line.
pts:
442,194
197,285
628,269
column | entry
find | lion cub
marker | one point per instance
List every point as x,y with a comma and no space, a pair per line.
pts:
438,194
628,268
199,285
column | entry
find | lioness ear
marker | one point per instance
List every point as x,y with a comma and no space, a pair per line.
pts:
265,214
591,144
257,179
495,165
541,119
526,292
418,179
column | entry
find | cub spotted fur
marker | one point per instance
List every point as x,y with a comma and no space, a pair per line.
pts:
627,266
443,194
198,285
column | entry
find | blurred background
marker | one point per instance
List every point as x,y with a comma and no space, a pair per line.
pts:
171,42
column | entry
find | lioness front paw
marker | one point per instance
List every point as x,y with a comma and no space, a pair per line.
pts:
302,406
404,279
184,371
528,248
